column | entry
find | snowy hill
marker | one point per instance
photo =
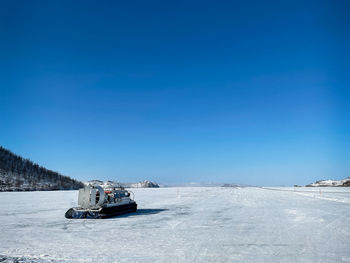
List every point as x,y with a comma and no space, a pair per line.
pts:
143,184
104,184
330,183
19,174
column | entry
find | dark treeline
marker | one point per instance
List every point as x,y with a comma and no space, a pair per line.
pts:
18,174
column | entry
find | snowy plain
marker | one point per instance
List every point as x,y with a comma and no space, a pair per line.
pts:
199,224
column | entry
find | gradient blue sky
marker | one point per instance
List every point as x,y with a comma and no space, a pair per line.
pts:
253,92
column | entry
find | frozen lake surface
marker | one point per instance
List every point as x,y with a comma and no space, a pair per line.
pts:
183,225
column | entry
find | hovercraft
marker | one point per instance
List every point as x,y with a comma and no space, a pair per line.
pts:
97,202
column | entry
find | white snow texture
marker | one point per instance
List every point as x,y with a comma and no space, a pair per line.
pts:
186,224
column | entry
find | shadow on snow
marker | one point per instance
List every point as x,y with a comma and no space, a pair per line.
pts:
141,212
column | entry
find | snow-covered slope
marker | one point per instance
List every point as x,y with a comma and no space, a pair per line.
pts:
200,224
143,184
325,183
19,174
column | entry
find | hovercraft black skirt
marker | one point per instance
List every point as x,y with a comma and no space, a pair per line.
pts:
78,213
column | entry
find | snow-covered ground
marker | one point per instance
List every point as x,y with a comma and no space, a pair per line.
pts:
183,225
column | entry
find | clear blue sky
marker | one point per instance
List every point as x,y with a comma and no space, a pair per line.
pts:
253,92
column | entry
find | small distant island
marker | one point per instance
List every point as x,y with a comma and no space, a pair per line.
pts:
331,183
231,185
